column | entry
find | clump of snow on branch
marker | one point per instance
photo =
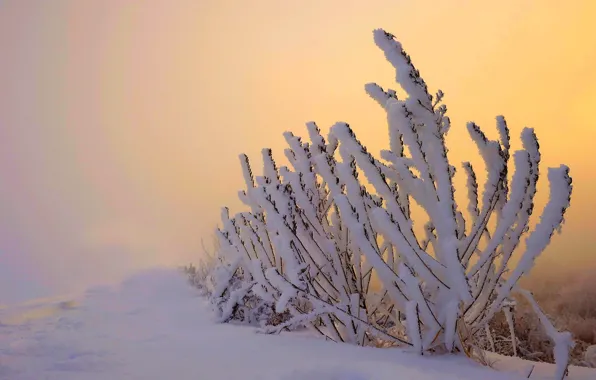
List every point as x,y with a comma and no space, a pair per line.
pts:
322,232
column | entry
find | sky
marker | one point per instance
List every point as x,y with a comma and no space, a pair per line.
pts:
121,122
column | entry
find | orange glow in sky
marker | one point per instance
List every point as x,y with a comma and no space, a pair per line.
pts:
121,122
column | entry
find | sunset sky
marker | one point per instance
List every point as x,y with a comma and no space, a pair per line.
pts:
121,121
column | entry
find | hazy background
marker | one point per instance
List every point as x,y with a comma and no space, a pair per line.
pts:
121,121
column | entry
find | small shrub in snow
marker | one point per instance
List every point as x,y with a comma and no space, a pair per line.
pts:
201,276
317,232
198,277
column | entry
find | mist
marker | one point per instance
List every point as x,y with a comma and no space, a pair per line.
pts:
121,122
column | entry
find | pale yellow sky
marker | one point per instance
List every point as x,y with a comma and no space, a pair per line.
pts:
121,122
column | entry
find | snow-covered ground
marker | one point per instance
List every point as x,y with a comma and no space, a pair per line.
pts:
154,326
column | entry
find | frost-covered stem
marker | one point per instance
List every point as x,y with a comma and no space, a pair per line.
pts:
431,157
563,340
509,318
413,325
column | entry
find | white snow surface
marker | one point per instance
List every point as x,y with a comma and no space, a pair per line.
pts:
155,326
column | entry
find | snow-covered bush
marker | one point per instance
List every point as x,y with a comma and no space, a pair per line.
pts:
319,231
